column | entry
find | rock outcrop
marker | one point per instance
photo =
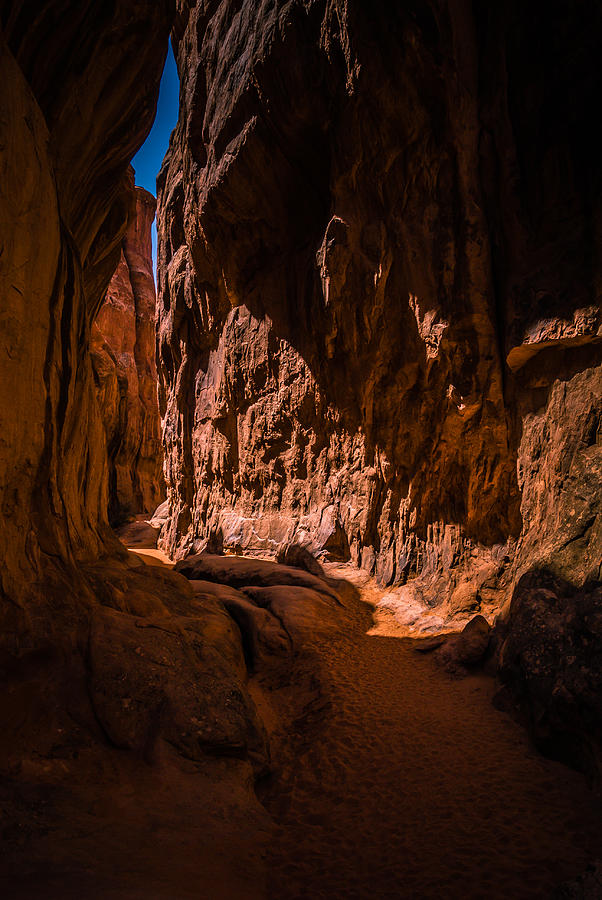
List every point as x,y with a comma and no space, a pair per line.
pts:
84,80
97,650
551,662
379,290
123,358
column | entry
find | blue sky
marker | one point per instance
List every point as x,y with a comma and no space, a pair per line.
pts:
147,161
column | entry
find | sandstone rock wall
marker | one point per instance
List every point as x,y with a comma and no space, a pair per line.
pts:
81,81
123,358
97,650
379,287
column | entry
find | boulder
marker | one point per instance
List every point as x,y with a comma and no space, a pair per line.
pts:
304,613
180,678
550,660
241,572
264,639
299,557
468,648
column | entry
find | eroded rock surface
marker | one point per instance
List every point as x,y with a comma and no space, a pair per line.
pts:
123,357
550,658
380,286
97,650
84,80
280,610
379,291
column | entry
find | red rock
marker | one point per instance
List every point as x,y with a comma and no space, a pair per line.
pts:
298,556
380,281
81,99
123,355
241,572
372,282
304,613
263,637
136,660
467,648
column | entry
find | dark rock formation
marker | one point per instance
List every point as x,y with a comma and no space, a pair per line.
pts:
280,610
299,556
123,356
379,289
97,650
551,661
467,648
163,665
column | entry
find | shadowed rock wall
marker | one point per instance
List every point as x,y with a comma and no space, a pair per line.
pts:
379,288
83,79
97,650
123,358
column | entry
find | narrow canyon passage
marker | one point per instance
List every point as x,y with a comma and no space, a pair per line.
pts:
391,776
415,786
343,404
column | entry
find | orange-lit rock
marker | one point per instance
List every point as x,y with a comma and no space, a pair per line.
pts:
380,331
123,356
79,105
374,282
379,337
97,650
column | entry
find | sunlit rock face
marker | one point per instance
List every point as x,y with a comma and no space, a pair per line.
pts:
379,279
123,357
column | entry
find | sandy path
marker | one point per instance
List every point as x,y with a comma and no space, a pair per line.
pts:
416,786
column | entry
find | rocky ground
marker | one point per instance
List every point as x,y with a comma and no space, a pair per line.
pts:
368,769
378,334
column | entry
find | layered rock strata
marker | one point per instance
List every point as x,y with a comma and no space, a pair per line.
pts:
123,358
379,291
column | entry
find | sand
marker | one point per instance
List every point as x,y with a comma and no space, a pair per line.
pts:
408,783
415,786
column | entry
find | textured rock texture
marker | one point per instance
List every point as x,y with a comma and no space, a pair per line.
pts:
97,651
379,290
551,660
123,358
84,78
115,653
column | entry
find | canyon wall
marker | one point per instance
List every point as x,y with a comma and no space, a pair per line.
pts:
84,80
379,289
102,658
379,335
123,359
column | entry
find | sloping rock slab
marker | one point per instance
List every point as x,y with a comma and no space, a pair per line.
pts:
264,639
240,572
171,670
303,612
299,557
